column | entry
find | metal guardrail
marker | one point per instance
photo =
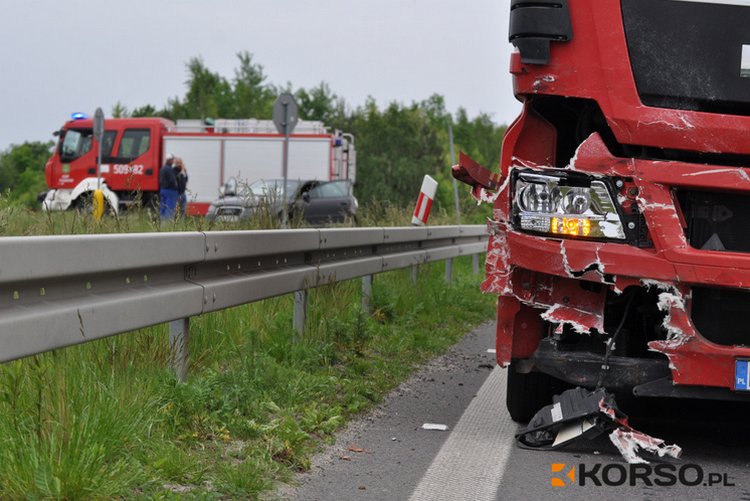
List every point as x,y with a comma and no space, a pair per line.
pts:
58,291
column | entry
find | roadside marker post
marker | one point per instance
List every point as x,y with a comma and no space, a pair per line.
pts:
424,202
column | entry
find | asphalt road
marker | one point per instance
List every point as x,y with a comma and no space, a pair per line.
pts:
387,455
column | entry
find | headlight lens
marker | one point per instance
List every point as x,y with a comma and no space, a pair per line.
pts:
577,201
539,197
560,206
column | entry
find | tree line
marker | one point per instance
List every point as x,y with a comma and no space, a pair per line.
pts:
396,144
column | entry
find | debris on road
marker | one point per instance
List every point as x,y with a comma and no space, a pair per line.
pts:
354,448
628,443
432,426
577,413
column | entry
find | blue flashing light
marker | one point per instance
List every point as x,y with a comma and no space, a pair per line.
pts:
79,116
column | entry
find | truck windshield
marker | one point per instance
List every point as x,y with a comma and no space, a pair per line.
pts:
78,142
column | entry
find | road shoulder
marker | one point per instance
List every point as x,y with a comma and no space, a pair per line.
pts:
384,454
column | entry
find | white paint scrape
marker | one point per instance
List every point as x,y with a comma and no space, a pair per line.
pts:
487,197
629,442
572,164
649,283
669,301
550,315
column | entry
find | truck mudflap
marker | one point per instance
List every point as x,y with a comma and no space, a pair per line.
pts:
578,413
565,281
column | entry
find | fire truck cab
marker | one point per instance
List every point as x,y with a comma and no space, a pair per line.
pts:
131,155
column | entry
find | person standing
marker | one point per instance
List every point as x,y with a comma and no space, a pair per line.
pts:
182,178
167,188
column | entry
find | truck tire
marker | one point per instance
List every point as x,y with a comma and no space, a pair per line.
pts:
527,393
84,203
150,203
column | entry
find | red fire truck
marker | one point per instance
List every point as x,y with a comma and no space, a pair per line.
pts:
133,150
619,244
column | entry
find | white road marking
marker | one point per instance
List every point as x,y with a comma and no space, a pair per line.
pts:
471,463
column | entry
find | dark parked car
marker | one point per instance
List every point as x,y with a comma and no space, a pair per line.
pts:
317,202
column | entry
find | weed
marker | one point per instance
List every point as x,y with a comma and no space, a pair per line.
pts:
249,476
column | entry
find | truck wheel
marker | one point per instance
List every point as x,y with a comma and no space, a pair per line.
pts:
527,393
84,203
150,205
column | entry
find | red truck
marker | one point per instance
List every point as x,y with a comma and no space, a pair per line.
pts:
619,242
133,150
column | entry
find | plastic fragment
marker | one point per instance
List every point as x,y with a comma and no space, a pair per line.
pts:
577,413
432,426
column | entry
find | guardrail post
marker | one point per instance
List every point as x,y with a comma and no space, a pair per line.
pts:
475,263
449,270
414,273
366,293
179,337
300,311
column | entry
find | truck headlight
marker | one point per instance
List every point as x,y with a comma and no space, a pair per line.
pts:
565,206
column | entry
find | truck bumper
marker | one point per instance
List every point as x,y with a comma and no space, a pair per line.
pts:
549,286
56,200
62,199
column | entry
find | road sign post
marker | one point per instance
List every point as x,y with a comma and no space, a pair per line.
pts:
455,183
285,117
98,201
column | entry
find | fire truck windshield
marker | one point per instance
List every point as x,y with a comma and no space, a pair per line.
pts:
77,143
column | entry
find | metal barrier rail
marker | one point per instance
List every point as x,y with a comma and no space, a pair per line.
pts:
58,291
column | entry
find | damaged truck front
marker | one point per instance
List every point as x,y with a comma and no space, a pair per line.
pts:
620,238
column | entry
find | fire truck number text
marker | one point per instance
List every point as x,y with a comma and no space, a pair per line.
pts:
127,169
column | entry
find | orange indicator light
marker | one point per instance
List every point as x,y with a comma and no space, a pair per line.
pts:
571,226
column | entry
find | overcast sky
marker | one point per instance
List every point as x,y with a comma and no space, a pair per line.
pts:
57,58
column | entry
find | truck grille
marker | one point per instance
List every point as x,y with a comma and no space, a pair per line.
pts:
716,221
689,55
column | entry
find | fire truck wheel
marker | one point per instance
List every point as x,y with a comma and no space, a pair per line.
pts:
527,393
84,203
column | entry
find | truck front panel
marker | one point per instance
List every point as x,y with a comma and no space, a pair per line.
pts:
618,245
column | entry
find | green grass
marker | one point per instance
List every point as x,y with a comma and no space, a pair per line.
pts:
108,419
18,221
